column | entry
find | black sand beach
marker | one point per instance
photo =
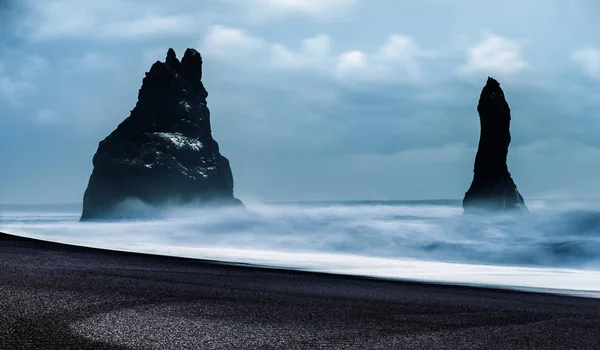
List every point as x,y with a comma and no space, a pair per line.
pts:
56,296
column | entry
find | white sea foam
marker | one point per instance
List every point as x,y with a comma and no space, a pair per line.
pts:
556,246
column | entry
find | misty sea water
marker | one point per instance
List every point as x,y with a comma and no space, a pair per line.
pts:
556,246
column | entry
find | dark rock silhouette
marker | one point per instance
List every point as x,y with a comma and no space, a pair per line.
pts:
163,153
493,188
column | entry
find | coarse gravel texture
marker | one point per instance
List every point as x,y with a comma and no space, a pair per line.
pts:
55,296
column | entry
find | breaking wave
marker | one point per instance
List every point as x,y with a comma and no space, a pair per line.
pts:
555,235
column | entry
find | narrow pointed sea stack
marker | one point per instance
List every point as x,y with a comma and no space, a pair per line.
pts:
163,153
493,188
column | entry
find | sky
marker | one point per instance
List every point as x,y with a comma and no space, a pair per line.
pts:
310,99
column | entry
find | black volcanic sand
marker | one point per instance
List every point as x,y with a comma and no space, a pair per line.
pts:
55,296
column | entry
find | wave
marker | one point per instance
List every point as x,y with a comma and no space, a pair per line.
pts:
563,235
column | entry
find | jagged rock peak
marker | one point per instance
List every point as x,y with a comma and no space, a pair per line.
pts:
183,78
492,99
172,60
491,82
192,64
493,187
163,153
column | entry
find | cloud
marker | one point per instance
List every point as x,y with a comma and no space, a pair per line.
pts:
50,19
151,26
225,42
314,53
588,61
398,58
494,55
18,80
107,19
135,19
319,9
304,82
307,6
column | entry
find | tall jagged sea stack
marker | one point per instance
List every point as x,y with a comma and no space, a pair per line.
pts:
164,152
493,189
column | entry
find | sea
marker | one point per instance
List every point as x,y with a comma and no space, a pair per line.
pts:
553,248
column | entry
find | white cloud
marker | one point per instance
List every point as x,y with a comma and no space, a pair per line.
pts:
307,6
226,42
151,26
494,55
311,8
396,59
588,61
314,53
108,19
320,45
56,18
360,66
135,19
351,61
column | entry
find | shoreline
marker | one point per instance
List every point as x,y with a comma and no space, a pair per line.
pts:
385,266
57,296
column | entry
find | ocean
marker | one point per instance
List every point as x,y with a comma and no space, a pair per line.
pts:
556,247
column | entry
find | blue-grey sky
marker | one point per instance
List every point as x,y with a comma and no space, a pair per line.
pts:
310,99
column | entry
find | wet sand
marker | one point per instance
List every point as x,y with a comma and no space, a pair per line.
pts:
55,296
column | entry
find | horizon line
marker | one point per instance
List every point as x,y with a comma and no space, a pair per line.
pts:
322,201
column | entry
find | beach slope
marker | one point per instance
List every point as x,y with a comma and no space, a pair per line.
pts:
56,296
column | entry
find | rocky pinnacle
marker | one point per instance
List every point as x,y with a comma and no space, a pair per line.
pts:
493,188
164,152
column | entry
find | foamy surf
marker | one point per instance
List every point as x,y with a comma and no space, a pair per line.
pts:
553,249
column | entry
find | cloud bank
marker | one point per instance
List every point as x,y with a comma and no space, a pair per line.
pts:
338,99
